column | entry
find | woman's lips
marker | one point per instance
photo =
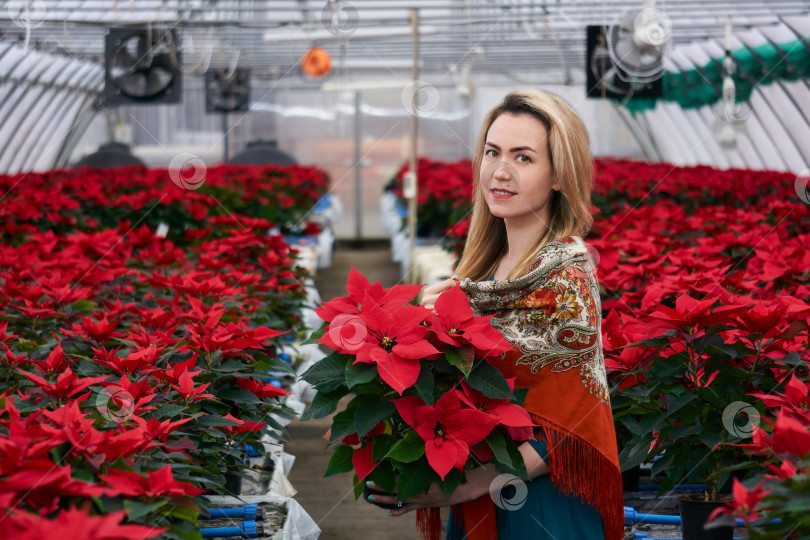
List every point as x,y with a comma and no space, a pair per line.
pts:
502,193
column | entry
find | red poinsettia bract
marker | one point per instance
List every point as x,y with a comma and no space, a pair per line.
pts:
447,429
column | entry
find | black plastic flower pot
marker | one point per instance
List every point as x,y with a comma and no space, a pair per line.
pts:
694,514
368,491
630,478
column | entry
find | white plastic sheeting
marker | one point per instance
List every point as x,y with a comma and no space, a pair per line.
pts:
43,97
775,133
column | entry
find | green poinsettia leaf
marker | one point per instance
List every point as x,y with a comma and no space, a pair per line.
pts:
450,482
410,448
136,510
384,476
488,380
371,410
461,357
328,373
414,478
341,460
424,384
359,373
323,404
343,422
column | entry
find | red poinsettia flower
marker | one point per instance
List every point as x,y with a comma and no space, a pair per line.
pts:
158,483
260,389
454,324
362,456
745,503
790,435
786,469
243,426
795,399
447,429
690,314
68,384
75,524
511,415
358,287
42,485
54,363
396,341
186,388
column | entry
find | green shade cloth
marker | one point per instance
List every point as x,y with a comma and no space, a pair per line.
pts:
765,64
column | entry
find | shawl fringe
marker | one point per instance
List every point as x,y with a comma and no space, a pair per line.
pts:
429,523
576,467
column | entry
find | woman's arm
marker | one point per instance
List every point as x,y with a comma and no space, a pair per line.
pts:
479,482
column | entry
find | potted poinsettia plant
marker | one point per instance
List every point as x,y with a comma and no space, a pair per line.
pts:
775,504
688,407
427,403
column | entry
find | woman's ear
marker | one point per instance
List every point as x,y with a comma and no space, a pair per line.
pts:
555,186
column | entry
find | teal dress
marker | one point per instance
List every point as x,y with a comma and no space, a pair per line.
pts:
547,513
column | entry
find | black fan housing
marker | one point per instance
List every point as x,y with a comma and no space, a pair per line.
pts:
142,66
227,92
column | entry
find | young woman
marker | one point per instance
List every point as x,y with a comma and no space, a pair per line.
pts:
525,263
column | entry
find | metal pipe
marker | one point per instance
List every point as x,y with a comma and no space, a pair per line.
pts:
414,17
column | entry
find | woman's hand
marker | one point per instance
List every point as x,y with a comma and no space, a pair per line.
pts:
431,294
478,483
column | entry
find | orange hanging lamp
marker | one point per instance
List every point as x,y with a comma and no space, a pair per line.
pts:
316,62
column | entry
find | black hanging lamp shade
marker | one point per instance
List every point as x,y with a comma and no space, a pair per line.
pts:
110,156
262,153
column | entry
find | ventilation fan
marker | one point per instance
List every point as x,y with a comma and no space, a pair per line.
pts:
227,92
141,66
625,59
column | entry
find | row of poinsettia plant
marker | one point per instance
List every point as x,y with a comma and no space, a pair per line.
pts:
705,278
132,357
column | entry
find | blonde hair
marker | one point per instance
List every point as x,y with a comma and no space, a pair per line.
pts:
569,152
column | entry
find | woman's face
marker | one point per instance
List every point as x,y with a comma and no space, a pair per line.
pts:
516,177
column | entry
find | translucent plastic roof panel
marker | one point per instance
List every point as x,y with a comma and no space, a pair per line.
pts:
371,37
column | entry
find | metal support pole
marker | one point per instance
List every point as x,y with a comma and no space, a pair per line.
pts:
358,169
225,137
414,16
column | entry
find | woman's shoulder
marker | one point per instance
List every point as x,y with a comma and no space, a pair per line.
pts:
559,251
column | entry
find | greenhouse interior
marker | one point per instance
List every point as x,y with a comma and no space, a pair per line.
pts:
338,269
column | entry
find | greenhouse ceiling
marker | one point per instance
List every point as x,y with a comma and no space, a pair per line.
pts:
370,37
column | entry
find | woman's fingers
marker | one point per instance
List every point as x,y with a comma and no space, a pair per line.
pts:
431,294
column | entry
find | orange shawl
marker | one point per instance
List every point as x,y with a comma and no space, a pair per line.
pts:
552,317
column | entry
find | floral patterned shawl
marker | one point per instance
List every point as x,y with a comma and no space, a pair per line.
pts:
552,317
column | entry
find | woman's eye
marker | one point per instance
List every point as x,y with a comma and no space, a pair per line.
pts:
523,158
491,153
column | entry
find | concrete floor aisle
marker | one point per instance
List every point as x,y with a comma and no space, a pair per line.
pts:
330,501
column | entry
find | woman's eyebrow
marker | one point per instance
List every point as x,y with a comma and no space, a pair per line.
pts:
515,149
